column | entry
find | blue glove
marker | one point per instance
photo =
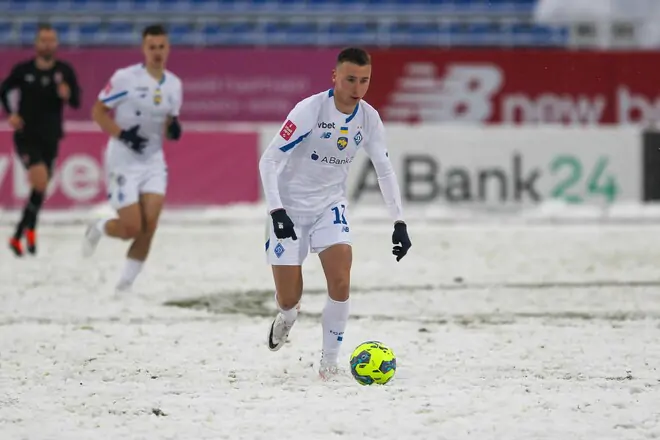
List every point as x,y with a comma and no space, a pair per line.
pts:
133,140
174,129
400,237
283,225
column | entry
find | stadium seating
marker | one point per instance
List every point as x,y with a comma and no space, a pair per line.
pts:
284,22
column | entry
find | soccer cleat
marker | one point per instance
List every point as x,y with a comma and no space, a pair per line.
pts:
123,286
31,238
91,240
16,246
328,369
279,332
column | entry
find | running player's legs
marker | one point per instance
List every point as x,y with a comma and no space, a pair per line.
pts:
38,171
123,195
330,229
286,258
151,206
37,156
152,189
330,238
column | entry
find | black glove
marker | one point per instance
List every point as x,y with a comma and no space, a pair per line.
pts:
133,140
283,225
174,129
400,236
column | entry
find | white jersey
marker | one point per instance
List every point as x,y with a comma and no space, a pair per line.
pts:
305,167
139,99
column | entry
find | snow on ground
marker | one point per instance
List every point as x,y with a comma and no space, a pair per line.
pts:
501,332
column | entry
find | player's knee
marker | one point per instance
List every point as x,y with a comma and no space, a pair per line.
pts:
39,178
40,185
288,302
339,287
130,231
288,295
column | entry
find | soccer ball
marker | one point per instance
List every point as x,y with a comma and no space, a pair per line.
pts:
373,362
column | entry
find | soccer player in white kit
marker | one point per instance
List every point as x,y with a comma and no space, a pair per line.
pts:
146,99
304,172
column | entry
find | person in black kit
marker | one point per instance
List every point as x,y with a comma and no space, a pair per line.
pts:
45,85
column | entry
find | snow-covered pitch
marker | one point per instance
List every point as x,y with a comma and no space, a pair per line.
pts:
502,331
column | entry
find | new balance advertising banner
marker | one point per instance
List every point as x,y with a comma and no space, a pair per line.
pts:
218,84
516,87
514,167
214,168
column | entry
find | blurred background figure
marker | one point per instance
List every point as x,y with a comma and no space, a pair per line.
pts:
45,85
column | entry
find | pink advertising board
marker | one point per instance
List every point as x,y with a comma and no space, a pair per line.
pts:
220,85
204,168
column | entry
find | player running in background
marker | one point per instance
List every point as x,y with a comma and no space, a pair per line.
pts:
304,172
45,84
146,99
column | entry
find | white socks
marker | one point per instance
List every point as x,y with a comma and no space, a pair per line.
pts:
335,318
100,225
288,315
131,270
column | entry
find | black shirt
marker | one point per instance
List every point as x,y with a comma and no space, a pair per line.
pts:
40,106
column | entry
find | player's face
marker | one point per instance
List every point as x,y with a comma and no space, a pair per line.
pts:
156,49
46,44
351,82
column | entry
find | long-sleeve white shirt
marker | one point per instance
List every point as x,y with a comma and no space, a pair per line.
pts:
305,168
139,99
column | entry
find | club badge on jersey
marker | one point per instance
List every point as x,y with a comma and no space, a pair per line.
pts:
158,97
358,138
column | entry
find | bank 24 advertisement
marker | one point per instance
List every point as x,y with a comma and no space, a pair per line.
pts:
498,166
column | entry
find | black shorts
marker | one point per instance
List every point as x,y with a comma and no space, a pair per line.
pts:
35,151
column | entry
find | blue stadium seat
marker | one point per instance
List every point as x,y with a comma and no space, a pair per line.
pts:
84,5
176,6
275,33
302,33
6,31
26,31
122,33
229,33
342,34
475,34
526,35
90,32
66,31
145,6
216,5
339,7
183,33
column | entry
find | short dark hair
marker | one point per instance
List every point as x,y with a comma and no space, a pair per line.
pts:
154,29
354,55
44,27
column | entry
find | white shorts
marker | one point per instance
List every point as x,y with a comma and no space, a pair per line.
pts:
126,185
314,234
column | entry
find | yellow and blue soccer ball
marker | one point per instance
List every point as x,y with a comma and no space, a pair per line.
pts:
373,362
